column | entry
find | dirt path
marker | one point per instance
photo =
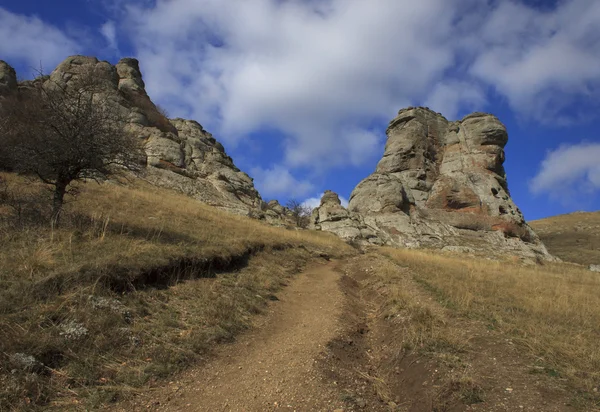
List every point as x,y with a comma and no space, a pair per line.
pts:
328,345
272,367
485,372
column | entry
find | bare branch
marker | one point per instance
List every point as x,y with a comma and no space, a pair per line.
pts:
63,133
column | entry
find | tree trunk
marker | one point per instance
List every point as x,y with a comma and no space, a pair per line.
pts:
60,188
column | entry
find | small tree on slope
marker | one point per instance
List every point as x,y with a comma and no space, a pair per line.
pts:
300,212
66,133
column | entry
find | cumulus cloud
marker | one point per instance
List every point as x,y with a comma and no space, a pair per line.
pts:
313,202
321,72
109,32
451,98
570,170
318,72
540,60
30,41
278,180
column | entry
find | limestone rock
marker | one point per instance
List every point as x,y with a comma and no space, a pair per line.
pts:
277,215
331,216
72,68
130,76
594,268
8,78
180,154
274,206
440,184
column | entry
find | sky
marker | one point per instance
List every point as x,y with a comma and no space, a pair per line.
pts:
300,92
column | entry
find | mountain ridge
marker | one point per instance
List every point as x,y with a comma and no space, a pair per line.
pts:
439,183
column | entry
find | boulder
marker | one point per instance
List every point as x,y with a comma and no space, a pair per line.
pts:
331,216
130,76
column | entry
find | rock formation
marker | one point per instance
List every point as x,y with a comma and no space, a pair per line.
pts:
180,154
8,78
440,184
331,216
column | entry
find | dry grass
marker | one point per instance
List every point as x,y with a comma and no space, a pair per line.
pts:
95,309
574,237
414,326
552,311
419,322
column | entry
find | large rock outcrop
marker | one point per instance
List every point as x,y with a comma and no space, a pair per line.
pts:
180,154
8,78
440,184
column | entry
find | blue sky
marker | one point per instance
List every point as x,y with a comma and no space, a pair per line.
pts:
300,91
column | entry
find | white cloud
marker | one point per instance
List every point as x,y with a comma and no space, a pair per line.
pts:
540,60
452,97
278,181
30,41
313,202
319,72
569,171
322,72
109,32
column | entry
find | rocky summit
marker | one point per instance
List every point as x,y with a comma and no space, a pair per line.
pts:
180,154
440,184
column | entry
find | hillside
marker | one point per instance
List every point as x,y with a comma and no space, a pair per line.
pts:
178,288
573,237
141,284
138,283
177,154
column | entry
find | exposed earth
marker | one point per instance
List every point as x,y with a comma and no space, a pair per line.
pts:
326,345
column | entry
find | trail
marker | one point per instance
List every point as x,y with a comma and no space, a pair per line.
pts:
324,346
274,367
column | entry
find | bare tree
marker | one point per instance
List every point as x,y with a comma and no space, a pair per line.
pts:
300,212
65,133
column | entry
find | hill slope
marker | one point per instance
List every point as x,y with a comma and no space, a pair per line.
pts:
573,237
138,283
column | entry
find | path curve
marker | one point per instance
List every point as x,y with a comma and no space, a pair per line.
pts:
274,367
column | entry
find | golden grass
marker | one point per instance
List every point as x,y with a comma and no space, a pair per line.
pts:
552,311
416,326
99,303
574,237
141,226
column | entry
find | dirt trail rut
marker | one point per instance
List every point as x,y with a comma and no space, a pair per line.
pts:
326,346
275,365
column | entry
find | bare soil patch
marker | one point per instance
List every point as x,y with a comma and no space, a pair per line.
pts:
272,367
403,351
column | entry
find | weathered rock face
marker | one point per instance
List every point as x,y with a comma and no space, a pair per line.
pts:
180,154
8,78
331,216
440,184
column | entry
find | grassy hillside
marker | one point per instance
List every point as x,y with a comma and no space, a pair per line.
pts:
140,282
137,283
551,312
574,237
